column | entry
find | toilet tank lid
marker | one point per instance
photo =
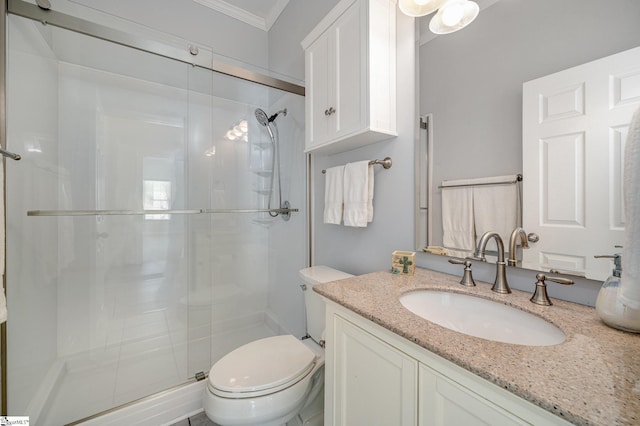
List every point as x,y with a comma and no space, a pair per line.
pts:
322,274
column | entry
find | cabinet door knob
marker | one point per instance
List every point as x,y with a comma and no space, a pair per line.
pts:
329,111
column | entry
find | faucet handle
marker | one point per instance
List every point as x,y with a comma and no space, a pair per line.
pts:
467,277
540,296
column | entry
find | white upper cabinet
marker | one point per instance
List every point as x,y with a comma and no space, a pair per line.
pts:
350,72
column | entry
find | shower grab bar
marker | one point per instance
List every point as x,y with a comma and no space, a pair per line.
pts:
146,212
512,182
11,155
386,164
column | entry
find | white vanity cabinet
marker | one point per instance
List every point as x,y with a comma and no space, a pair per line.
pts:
387,397
375,377
350,73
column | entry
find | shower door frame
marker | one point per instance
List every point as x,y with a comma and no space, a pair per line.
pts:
3,145
189,55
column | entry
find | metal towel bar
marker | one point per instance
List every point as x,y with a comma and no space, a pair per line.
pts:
518,179
386,163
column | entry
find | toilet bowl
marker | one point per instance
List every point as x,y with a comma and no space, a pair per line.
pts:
265,382
270,381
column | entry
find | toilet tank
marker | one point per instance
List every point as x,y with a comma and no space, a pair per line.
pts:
313,301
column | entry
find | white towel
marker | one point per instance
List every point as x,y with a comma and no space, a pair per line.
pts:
3,300
457,218
630,283
370,196
488,216
356,194
333,194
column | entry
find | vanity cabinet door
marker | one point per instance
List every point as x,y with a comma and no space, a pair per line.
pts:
374,383
444,402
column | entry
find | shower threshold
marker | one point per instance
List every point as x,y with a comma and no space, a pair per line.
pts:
125,385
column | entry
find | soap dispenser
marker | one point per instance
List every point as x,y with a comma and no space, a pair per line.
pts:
608,305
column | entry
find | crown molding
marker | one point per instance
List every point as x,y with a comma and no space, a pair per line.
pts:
245,16
275,13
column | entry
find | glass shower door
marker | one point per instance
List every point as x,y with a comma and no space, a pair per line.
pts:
97,301
129,268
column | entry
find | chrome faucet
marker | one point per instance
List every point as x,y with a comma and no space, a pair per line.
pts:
500,285
518,232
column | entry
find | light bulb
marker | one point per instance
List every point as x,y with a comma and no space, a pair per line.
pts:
452,14
231,136
244,125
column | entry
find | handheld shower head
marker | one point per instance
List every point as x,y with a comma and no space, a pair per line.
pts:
266,121
262,117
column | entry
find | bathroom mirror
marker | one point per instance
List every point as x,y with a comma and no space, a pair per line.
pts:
471,85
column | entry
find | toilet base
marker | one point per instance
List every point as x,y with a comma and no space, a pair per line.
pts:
312,414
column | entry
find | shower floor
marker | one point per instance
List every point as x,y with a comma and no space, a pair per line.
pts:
149,358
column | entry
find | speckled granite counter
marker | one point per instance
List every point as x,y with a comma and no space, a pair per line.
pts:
593,378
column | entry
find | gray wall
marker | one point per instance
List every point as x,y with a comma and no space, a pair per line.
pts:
361,250
511,42
472,80
286,56
368,249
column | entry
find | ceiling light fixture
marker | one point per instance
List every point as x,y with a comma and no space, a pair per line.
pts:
451,16
417,8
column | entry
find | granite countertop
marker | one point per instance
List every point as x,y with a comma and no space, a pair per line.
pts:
593,378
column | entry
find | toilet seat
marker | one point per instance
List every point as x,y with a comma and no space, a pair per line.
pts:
261,367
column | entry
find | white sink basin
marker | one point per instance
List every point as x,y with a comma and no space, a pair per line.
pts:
482,318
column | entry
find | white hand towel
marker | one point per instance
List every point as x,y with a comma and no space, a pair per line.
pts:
630,283
356,194
333,194
496,208
457,218
3,300
370,196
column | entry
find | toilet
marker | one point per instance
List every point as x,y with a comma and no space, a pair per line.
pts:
275,380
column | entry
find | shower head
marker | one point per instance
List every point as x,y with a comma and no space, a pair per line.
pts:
262,117
264,120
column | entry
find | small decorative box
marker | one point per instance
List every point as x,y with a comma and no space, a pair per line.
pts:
403,262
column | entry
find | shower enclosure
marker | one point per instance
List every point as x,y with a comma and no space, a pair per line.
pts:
140,248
